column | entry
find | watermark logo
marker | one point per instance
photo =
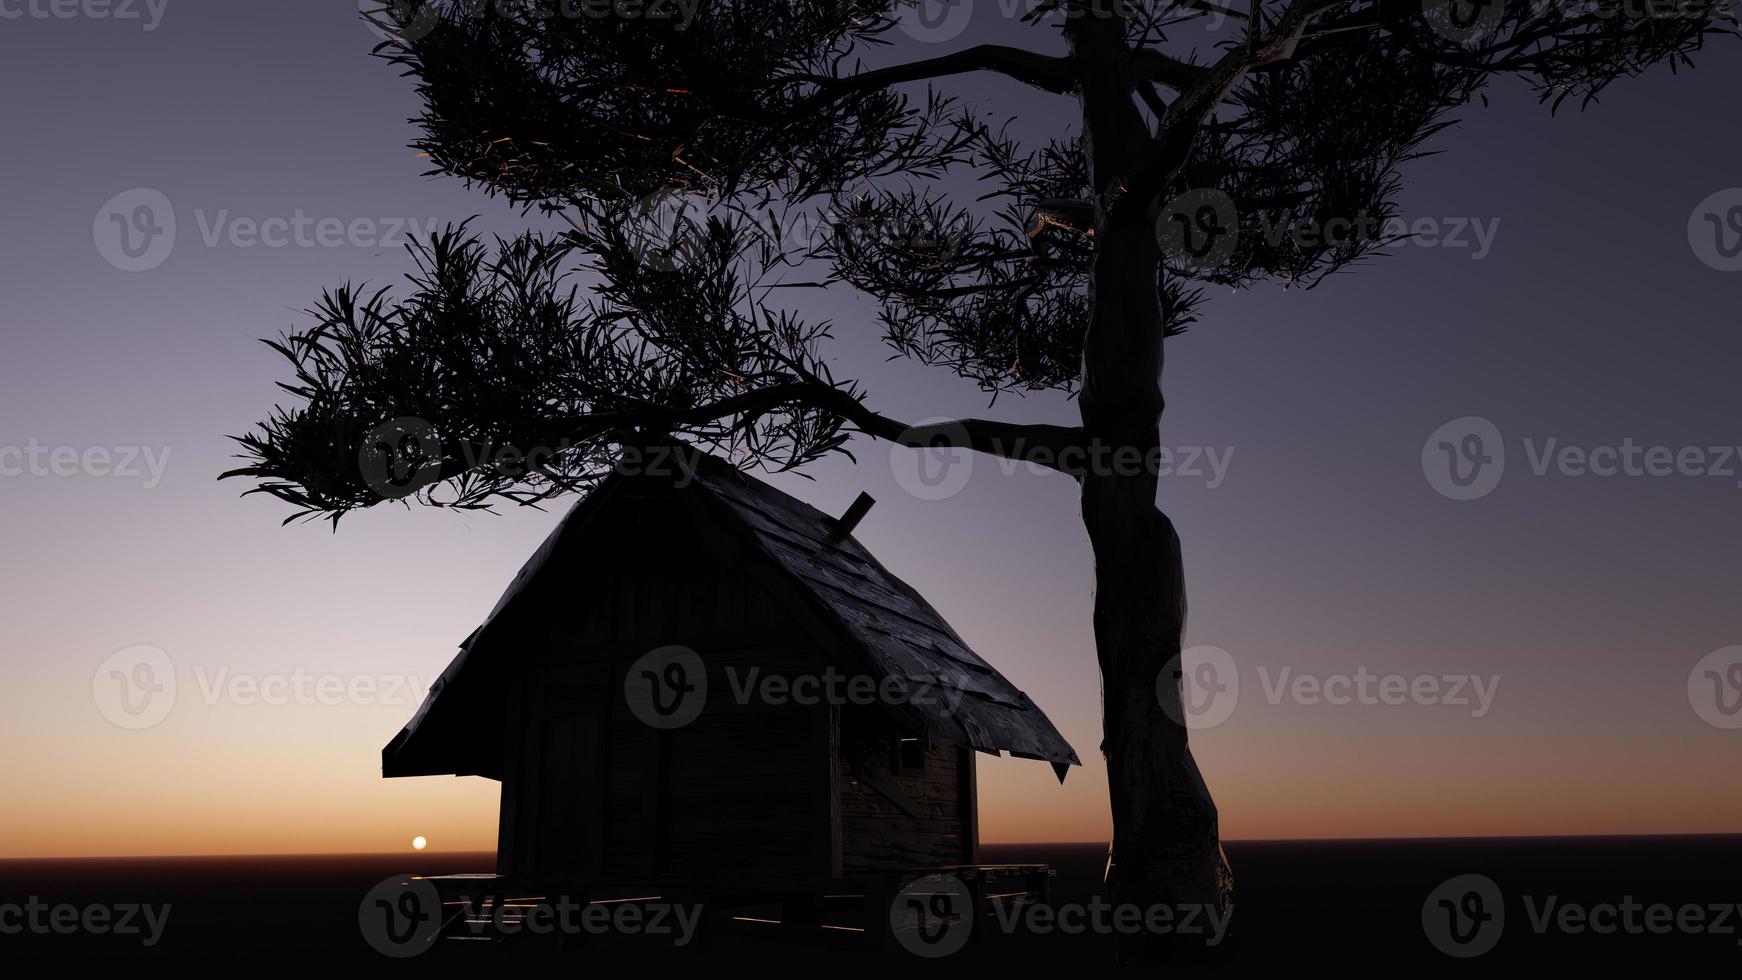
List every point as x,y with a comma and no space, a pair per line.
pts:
932,917
1465,916
134,231
666,687
935,21
135,687
1199,229
401,916
1463,21
936,916
1473,234
1715,230
410,21
1465,458
931,461
1368,689
300,229
1208,922
305,689
940,469
570,917
400,457
1715,688
404,916
1199,688
400,20
831,686
1472,23
663,230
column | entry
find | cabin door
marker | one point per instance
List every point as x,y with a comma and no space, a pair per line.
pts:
568,813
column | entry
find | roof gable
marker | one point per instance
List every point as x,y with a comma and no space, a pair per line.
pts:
897,635
902,636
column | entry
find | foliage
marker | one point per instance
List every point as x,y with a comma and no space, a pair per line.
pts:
705,165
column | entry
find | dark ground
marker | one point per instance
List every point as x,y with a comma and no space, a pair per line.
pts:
1326,904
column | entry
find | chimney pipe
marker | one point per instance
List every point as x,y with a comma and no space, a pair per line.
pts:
845,524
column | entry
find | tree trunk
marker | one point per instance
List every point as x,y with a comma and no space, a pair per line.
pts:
1166,845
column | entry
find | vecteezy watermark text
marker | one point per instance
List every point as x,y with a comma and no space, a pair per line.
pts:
1102,917
35,459
668,687
412,20
1201,688
402,456
1466,916
137,230
934,916
148,14
309,689
402,916
1203,227
137,687
1465,459
37,917
932,460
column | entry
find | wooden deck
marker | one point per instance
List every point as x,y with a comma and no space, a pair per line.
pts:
853,909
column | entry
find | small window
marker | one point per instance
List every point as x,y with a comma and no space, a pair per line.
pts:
909,756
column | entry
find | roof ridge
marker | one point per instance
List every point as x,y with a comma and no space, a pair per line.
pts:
806,548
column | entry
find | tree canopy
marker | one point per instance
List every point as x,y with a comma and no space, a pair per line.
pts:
681,152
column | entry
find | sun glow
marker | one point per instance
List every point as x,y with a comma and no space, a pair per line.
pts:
418,843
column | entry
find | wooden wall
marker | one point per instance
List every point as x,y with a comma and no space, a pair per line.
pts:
591,792
736,789
904,818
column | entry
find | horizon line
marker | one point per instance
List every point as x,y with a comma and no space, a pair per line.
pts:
1035,843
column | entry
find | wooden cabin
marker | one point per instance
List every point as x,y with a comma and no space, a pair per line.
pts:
758,585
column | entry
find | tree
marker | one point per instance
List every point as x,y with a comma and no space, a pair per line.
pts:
681,152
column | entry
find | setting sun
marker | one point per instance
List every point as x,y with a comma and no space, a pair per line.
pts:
418,843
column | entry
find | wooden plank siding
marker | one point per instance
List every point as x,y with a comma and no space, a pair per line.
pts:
732,792
896,819
750,789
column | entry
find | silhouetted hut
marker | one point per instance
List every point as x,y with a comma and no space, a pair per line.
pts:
543,697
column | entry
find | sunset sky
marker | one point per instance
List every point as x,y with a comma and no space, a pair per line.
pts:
1323,550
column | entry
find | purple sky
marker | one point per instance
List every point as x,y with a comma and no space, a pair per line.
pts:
1588,318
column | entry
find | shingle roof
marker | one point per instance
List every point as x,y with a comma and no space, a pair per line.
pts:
897,634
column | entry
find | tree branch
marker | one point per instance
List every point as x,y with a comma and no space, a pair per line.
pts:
1043,444
1149,64
1178,129
1041,71
1028,443
1047,445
